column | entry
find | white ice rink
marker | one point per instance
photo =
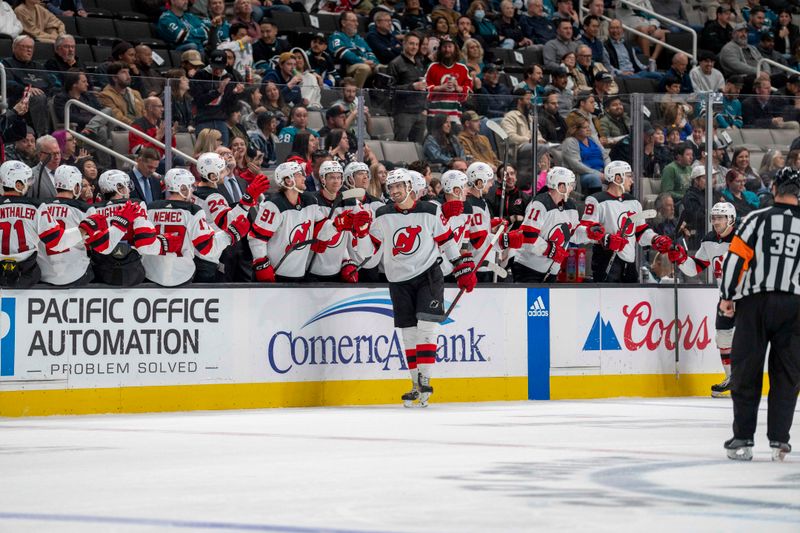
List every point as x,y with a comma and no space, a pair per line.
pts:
604,465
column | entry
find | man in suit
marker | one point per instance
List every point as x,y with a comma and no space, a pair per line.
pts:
49,155
145,183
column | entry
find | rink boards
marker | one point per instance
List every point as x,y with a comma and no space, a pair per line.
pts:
145,350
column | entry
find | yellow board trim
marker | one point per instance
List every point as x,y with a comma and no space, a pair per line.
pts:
250,396
636,385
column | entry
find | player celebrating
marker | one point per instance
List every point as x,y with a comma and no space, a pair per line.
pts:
479,177
411,236
456,213
357,176
614,210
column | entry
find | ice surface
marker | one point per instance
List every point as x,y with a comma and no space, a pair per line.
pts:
603,465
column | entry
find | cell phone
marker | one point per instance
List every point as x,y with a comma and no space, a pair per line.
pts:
27,94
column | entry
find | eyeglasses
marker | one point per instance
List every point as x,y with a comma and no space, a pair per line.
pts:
51,153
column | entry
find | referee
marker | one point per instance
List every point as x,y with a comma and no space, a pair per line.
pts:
762,273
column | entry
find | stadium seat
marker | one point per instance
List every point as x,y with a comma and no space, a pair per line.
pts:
755,158
122,9
96,28
52,110
137,32
289,21
736,136
377,149
69,25
329,96
509,58
758,137
282,151
783,138
175,58
84,52
400,151
101,53
43,51
316,120
381,128
184,142
327,23
640,85
119,142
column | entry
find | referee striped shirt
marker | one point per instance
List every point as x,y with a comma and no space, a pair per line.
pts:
764,255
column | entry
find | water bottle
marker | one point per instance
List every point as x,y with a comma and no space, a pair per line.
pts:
581,260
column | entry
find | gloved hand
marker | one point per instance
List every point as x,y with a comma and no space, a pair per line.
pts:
614,242
453,208
677,254
257,187
171,243
238,228
513,239
361,222
95,227
349,271
263,270
131,211
496,221
464,272
595,232
661,244
343,221
556,252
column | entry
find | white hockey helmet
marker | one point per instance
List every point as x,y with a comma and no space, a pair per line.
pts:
558,175
210,164
479,171
614,168
329,167
351,169
289,169
179,180
110,181
68,178
724,209
418,183
399,175
12,172
453,179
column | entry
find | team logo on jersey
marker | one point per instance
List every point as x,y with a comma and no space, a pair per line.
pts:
8,317
560,234
716,263
299,234
406,240
625,221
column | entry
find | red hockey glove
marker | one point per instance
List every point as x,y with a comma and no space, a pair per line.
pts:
361,222
496,221
453,208
257,187
677,254
171,243
614,242
556,252
95,227
349,272
343,221
595,232
238,228
464,272
263,270
661,244
513,239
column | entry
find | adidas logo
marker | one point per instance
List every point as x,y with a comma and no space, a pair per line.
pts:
537,308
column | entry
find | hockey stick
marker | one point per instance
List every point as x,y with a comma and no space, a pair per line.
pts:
678,229
501,133
496,269
636,220
481,260
567,238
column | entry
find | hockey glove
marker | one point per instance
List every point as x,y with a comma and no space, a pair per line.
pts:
614,242
496,221
595,232
263,270
343,221
453,208
95,227
361,222
513,239
556,252
464,272
171,243
677,254
661,244
349,271
257,187
238,228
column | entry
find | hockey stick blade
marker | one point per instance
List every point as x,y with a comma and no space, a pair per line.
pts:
495,269
497,129
356,192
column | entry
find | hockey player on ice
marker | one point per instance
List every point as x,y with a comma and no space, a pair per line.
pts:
608,219
712,252
411,237
479,178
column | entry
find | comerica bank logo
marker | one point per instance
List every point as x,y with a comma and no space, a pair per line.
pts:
376,302
538,308
8,318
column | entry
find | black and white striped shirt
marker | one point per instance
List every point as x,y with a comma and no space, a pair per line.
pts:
764,255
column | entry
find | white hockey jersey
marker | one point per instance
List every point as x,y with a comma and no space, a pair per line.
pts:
480,234
330,253
70,265
218,213
410,241
712,252
461,226
613,212
546,222
24,223
360,249
198,239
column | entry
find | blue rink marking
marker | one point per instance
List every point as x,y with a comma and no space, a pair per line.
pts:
189,524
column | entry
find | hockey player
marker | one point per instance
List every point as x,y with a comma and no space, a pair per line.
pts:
551,218
288,223
212,168
456,213
357,176
419,187
712,252
411,236
614,211
479,177
177,215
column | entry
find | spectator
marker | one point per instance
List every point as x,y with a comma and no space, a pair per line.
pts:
509,31
731,114
214,95
591,29
145,183
408,102
535,25
739,58
13,129
603,88
704,76
21,72
240,46
665,222
265,136
350,102
243,14
555,49
288,78
351,50
49,153
743,200
181,29
793,159
495,98
551,123
584,105
181,100
38,22
484,27
697,139
718,157
67,8
532,82
69,148
191,62
597,9
570,62
654,156
298,123
321,61
338,145
615,123
785,33
676,176
678,70
543,166
694,206
151,123
313,84
245,167
273,102
675,119
741,164
476,146
622,59
126,104
9,23
208,140
516,200
441,30
377,181
472,56
441,145
755,25
770,17
772,162
558,80
673,10
516,122
565,10
584,156
449,83
149,81
444,9
88,167
304,146
269,45
64,58
24,148
586,70
76,86
766,47
466,31
382,38
335,118
220,27
414,18
644,23
717,32
764,110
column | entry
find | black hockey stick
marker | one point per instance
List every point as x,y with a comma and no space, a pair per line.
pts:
678,229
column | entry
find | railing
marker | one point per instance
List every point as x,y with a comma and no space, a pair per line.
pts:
3,100
122,125
772,63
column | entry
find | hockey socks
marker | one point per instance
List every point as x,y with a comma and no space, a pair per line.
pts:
410,343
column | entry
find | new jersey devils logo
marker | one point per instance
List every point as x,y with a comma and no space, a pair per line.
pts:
560,235
406,240
717,264
298,234
625,223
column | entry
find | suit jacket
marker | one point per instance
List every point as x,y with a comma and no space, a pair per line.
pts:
138,193
43,188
